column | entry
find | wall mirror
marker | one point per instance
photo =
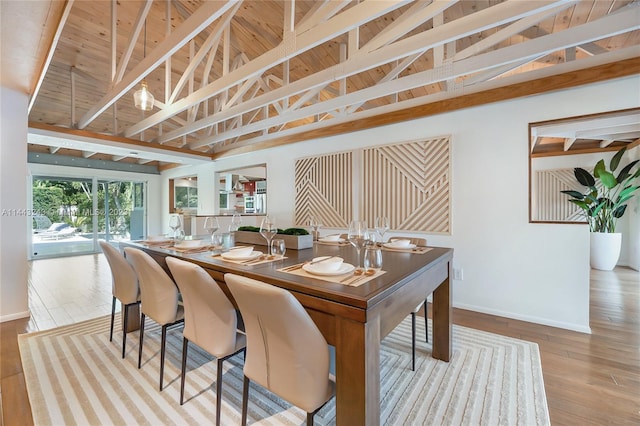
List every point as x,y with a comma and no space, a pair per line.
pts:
243,190
556,147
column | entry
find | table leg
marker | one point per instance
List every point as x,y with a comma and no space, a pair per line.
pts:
357,373
442,317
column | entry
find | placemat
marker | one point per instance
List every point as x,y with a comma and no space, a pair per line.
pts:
257,261
417,250
349,278
333,243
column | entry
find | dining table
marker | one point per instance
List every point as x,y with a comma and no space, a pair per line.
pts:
352,318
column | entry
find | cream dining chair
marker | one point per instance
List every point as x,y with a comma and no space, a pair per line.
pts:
159,296
124,287
286,353
210,320
420,242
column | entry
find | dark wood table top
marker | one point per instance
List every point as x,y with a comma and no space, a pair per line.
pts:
400,267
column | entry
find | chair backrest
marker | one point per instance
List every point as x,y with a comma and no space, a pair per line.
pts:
210,319
124,282
286,353
420,242
158,292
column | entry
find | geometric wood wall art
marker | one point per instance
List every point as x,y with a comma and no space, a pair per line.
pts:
323,186
410,183
550,205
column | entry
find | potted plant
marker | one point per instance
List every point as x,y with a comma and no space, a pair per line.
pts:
604,202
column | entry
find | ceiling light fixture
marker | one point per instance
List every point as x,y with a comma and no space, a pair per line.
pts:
142,98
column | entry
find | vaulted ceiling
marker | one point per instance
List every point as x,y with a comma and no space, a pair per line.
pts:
239,76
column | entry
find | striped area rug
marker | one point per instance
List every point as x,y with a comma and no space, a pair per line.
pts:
76,376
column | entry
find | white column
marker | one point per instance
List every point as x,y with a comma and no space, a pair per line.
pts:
13,204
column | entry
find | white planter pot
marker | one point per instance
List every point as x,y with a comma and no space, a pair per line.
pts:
605,250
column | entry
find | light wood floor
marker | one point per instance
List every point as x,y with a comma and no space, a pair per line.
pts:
589,379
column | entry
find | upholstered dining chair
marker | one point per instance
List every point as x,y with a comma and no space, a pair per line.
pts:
159,295
210,320
420,242
124,287
286,353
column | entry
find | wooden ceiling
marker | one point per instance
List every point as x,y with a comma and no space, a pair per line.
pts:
238,76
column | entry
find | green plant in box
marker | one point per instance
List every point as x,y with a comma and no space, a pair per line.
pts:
605,200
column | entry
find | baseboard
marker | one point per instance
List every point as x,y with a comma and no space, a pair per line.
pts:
536,320
17,315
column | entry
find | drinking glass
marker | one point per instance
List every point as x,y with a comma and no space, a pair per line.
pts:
315,224
268,230
382,226
236,221
358,236
175,223
372,259
211,225
278,248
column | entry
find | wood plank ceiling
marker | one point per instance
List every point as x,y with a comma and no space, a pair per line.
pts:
239,76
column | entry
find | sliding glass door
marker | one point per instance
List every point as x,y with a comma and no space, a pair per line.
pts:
70,214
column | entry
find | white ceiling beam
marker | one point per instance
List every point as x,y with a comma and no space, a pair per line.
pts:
118,157
615,132
53,149
419,43
321,12
88,154
133,37
201,18
49,58
364,12
606,143
506,55
511,30
416,15
620,55
568,142
205,48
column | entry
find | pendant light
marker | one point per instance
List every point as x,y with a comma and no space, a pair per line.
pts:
142,98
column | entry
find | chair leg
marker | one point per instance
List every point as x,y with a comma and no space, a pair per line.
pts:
125,312
309,419
426,320
113,314
219,391
142,317
245,400
185,347
413,341
162,348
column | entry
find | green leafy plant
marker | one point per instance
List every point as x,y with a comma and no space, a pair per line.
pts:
605,200
288,231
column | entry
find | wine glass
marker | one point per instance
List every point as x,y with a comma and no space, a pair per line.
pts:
382,226
358,236
175,223
315,224
268,230
211,225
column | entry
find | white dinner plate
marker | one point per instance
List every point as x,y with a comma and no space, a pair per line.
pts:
399,247
332,240
189,244
317,270
254,255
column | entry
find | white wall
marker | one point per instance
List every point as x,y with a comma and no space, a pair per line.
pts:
13,205
512,268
